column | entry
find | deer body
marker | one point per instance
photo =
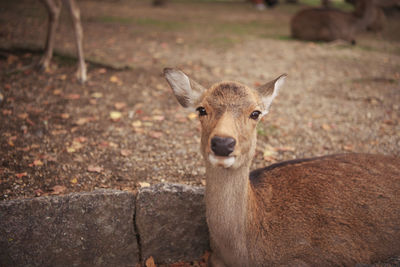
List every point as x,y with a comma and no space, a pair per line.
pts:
326,24
330,211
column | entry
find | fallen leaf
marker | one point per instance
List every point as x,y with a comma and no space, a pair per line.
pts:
192,116
22,174
115,115
74,181
119,105
57,132
125,152
112,144
285,149
97,95
155,134
144,184
62,77
269,153
37,162
150,262
114,79
6,112
82,121
348,147
80,139
73,96
58,189
326,127
102,70
137,124
23,116
57,92
75,146
92,168
64,116
158,118
39,192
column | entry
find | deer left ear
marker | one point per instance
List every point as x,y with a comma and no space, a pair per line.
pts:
269,91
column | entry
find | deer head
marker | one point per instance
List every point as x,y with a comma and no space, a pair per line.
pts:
228,112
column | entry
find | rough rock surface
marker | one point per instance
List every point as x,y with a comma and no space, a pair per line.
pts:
86,229
171,221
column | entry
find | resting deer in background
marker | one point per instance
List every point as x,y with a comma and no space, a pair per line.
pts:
326,24
335,210
54,8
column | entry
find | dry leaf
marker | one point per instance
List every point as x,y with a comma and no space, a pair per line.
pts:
80,139
158,118
39,192
58,189
82,121
92,168
119,105
137,124
348,147
62,77
285,149
6,112
74,181
125,152
115,115
155,134
114,79
23,116
144,184
97,95
57,92
73,96
192,116
326,127
64,116
20,175
150,262
37,162
269,153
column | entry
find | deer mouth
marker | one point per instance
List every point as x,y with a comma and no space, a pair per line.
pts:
225,162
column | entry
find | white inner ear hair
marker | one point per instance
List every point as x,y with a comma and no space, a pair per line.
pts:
267,101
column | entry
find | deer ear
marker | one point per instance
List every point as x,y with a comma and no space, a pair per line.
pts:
187,91
269,91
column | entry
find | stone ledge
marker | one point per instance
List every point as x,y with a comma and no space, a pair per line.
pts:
171,221
80,229
99,228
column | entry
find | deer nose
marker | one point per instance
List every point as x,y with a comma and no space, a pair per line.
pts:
222,146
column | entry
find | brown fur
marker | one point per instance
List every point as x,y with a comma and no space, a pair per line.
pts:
330,211
326,24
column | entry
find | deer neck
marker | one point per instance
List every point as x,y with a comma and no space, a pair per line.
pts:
226,207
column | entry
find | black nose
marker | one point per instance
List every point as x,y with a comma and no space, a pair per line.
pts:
222,146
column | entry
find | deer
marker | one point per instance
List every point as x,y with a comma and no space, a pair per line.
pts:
328,24
54,8
333,210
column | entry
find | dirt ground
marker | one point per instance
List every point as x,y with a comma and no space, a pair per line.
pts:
123,129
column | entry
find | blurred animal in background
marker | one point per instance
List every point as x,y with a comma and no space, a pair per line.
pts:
328,24
54,8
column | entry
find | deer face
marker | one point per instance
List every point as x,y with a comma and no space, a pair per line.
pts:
228,112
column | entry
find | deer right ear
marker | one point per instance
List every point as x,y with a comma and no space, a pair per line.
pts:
187,91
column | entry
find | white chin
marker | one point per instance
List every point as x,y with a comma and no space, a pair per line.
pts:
225,162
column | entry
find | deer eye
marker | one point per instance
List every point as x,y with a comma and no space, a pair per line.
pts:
202,111
255,114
